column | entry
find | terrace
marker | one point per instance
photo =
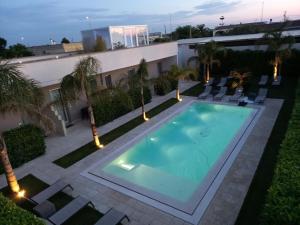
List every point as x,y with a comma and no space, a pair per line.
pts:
239,175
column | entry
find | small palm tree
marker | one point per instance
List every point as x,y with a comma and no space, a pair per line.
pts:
281,46
239,78
18,95
81,82
179,74
206,55
142,73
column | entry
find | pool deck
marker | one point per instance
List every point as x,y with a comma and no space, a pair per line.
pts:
224,207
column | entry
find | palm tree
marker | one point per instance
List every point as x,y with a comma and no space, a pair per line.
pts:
142,73
81,82
239,78
18,95
281,46
179,74
206,55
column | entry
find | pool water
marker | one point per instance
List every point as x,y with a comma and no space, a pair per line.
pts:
174,159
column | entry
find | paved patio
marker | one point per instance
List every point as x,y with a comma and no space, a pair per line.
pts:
224,207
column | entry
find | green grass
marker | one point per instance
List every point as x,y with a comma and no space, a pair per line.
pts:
255,199
32,185
80,153
194,91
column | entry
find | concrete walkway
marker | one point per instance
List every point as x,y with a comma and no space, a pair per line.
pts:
224,207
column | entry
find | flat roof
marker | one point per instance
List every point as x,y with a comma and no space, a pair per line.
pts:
232,37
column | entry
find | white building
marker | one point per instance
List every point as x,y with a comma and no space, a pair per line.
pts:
116,37
186,47
49,71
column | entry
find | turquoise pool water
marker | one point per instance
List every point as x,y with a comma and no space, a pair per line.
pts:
174,159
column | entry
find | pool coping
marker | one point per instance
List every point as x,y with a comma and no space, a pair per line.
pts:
193,211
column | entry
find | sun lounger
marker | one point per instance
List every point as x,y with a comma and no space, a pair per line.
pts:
69,210
277,81
50,191
263,80
222,82
262,94
206,92
237,95
112,217
210,82
221,93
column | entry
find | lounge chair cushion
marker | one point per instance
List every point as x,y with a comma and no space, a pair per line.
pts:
49,192
112,217
69,210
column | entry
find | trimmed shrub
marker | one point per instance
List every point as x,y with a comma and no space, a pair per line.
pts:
162,85
111,104
283,199
24,144
11,214
135,95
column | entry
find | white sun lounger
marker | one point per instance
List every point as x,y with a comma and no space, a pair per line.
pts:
206,92
50,191
263,80
69,210
221,93
237,95
222,82
262,95
112,217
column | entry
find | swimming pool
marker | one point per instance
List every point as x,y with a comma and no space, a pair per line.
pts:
176,162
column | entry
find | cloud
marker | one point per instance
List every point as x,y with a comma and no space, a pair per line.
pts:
216,7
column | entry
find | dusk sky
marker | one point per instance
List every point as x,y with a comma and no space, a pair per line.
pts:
39,20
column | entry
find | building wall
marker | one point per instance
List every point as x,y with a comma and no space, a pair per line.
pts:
115,63
110,61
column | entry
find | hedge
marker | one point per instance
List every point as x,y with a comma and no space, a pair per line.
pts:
164,85
135,95
257,62
24,144
283,199
111,104
11,214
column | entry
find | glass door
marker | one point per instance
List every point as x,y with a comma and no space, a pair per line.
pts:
62,109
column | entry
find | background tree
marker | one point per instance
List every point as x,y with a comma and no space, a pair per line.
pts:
281,46
18,95
81,82
188,31
3,44
179,74
206,54
65,40
100,45
18,50
142,73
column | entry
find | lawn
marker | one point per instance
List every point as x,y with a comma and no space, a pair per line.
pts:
80,153
32,185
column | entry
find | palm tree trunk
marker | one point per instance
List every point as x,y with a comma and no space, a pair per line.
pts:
143,103
207,73
178,92
275,67
9,173
93,127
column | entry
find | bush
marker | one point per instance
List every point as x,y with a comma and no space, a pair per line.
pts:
11,214
162,85
111,104
283,199
24,144
135,95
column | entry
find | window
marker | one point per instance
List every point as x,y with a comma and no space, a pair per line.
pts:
108,81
